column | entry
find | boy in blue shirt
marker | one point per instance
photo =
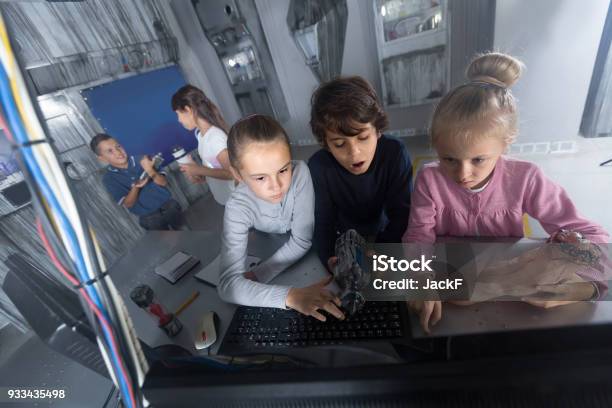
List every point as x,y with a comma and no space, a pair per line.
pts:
362,178
147,197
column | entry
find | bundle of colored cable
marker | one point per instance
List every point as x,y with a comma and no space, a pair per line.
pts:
70,243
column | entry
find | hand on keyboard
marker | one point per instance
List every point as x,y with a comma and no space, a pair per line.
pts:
429,311
331,263
266,329
311,299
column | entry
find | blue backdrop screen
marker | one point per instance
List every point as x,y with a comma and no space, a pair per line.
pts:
137,112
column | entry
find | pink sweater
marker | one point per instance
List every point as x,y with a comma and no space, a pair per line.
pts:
440,207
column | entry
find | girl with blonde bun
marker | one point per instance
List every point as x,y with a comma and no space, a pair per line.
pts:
474,190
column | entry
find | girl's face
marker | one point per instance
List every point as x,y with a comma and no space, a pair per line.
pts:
469,165
266,169
354,153
186,118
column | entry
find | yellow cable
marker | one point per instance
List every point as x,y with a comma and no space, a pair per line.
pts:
32,128
97,248
50,215
5,40
12,69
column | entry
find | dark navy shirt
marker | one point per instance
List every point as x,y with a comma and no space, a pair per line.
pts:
375,203
119,182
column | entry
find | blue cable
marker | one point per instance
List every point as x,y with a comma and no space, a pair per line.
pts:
19,132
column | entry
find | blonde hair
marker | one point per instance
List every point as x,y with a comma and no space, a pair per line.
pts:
482,107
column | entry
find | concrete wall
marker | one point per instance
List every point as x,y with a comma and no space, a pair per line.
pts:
198,59
471,32
296,79
298,82
558,41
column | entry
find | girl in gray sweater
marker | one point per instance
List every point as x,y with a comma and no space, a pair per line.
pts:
275,195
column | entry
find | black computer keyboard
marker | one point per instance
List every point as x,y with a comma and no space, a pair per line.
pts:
261,330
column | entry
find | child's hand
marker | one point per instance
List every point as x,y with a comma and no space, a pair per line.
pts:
550,296
147,164
310,299
196,179
190,170
331,263
141,183
430,312
548,304
567,236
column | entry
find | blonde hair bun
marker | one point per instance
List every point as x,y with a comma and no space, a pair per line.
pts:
495,68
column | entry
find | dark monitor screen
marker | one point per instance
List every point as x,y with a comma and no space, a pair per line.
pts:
553,368
13,188
8,160
17,194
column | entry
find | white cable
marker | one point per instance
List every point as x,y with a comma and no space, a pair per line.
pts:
107,361
51,170
136,353
48,161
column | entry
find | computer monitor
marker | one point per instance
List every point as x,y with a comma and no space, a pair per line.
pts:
570,366
14,192
553,368
542,366
53,311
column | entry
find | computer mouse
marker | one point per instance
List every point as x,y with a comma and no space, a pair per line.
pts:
206,333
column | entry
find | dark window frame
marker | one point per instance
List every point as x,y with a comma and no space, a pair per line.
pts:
597,99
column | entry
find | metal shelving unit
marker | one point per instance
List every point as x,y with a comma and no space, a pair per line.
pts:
412,39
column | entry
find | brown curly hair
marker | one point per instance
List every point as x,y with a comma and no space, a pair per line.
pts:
344,105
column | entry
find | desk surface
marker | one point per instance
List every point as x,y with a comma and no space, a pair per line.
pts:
503,316
137,267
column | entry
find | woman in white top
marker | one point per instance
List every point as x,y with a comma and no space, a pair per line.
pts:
195,111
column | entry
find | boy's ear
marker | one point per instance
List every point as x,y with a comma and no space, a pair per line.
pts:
235,173
101,159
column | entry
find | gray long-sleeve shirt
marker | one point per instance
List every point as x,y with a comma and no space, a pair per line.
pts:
244,211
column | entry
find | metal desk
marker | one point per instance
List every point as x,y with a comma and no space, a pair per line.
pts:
501,316
138,264
136,267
